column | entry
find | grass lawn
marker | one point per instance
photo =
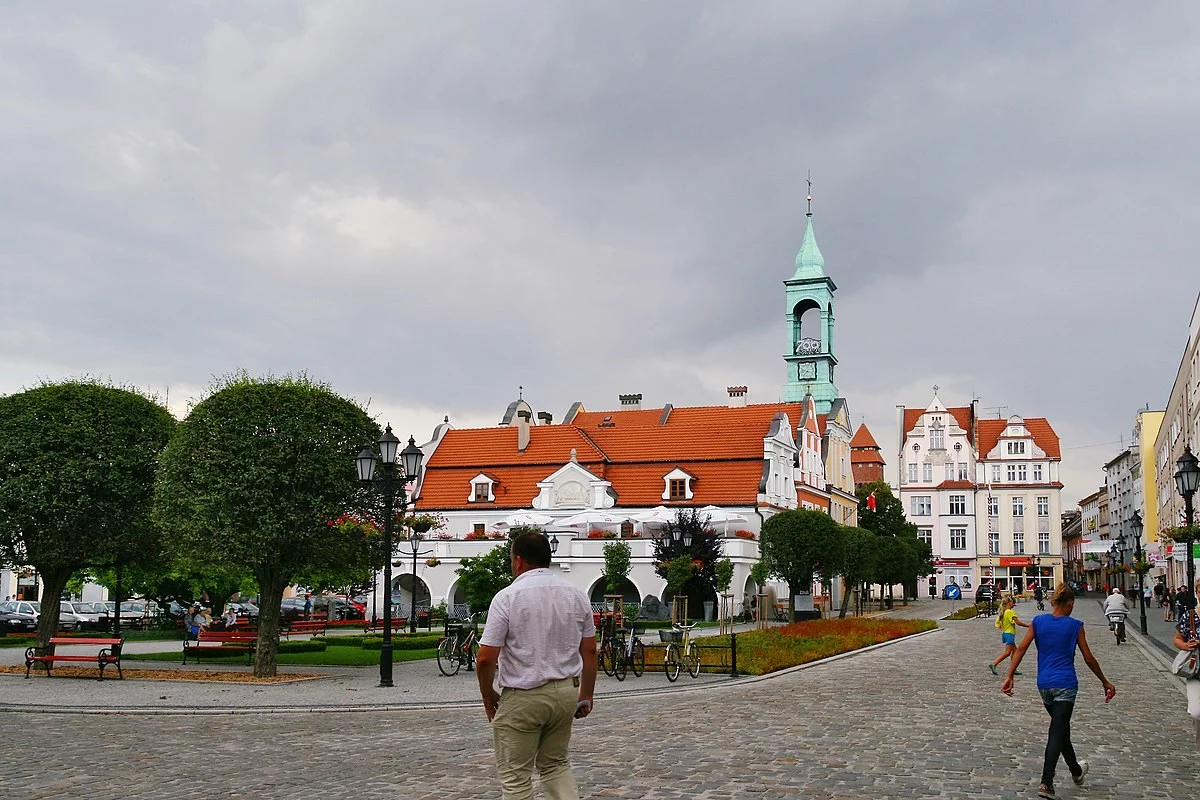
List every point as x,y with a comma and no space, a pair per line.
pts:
330,657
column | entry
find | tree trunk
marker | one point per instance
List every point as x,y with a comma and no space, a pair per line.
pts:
845,598
266,658
53,583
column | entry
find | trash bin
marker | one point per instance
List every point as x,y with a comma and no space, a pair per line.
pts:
887,602
709,610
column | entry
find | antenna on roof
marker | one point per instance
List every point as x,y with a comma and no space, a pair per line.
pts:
520,392
997,409
809,214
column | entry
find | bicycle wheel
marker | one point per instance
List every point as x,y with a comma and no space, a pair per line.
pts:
693,659
474,651
620,662
638,659
1120,633
671,663
447,656
600,647
608,660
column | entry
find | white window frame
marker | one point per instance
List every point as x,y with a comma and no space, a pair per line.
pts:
993,506
949,470
993,542
1038,473
1022,473
958,538
1018,506
912,471
1011,473
925,535
995,473
677,474
927,472
921,505
958,504
963,473
482,479
1043,505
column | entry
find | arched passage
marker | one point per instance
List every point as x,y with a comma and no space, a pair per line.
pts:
402,595
456,602
628,591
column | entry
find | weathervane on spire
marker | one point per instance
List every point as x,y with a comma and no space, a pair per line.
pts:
809,193
935,389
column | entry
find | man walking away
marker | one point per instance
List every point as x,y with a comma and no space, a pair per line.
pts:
541,642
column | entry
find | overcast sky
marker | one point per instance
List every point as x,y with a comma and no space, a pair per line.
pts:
429,204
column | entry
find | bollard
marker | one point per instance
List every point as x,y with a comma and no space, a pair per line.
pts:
733,654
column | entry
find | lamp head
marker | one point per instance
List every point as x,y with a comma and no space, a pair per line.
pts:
1187,474
364,462
411,459
388,445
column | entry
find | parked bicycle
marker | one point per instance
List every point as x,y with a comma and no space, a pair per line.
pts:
606,647
681,651
459,645
627,652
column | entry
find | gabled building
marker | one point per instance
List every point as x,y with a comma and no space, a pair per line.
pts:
984,493
866,457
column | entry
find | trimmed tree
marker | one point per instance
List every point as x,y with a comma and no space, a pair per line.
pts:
800,544
255,476
700,544
77,467
861,550
481,577
617,564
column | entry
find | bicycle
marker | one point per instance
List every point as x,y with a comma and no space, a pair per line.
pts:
681,651
626,653
457,646
1116,623
606,650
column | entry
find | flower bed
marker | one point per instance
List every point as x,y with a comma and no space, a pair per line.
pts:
761,652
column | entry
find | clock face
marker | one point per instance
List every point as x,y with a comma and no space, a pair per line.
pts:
806,371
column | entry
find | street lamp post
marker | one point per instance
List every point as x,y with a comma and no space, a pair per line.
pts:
1136,525
1187,477
414,542
391,482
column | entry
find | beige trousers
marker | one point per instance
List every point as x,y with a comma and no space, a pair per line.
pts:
532,728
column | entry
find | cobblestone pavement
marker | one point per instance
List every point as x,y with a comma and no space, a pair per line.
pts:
918,719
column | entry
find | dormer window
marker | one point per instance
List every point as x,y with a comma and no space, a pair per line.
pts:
1016,448
677,485
482,489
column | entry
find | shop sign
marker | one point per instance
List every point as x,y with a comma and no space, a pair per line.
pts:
952,562
1016,561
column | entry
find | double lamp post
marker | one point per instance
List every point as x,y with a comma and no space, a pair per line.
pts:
392,481
1187,478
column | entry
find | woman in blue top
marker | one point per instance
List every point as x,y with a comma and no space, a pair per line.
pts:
1057,635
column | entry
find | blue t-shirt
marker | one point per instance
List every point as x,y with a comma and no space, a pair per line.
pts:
1056,638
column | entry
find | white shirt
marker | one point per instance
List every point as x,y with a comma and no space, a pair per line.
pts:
538,622
1115,604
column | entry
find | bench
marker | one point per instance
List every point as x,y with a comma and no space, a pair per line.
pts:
316,627
398,624
110,653
222,641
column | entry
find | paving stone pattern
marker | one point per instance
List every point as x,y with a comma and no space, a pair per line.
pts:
922,718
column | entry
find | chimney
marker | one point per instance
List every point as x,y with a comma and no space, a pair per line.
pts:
545,418
737,396
630,402
522,431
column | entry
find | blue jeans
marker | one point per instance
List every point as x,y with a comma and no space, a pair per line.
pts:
1059,704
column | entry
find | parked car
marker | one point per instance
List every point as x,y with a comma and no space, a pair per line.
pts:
243,609
32,608
90,618
66,613
17,623
345,607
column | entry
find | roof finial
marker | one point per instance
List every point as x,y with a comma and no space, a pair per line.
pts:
809,193
935,389
520,392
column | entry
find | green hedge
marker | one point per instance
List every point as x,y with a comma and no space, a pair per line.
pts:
374,642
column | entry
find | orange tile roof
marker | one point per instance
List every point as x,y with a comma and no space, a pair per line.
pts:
955,485
716,483
1043,434
449,488
486,447
962,416
866,457
863,438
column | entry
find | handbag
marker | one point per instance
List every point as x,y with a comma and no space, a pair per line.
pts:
1187,662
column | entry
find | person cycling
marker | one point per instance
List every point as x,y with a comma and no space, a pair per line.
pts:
1115,604
1039,596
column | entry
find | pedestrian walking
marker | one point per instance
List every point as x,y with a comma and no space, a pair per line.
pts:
1007,622
540,643
1187,637
1058,635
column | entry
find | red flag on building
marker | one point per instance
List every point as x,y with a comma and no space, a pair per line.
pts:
871,501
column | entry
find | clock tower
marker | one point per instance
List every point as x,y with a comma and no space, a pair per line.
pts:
810,359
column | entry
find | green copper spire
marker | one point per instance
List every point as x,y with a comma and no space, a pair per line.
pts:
809,261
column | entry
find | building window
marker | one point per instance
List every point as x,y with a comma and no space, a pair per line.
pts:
1018,506
1043,506
481,489
1044,542
677,485
627,528
912,472
993,506
958,538
995,473
925,535
1019,543
927,472
962,471
993,543
678,489
958,504
1022,473
479,528
922,506
937,438
1038,473
1016,448
1012,473
481,493
949,470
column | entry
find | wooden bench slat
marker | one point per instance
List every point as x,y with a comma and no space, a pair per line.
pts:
110,653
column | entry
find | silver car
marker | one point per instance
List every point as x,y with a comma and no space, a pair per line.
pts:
67,621
88,615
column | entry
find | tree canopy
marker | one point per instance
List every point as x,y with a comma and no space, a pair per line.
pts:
482,577
888,517
77,470
255,476
859,556
799,544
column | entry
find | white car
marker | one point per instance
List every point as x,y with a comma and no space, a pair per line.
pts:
88,615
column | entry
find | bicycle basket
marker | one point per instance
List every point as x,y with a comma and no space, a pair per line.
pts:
667,637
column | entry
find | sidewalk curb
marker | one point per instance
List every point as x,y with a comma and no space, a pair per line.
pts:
425,706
